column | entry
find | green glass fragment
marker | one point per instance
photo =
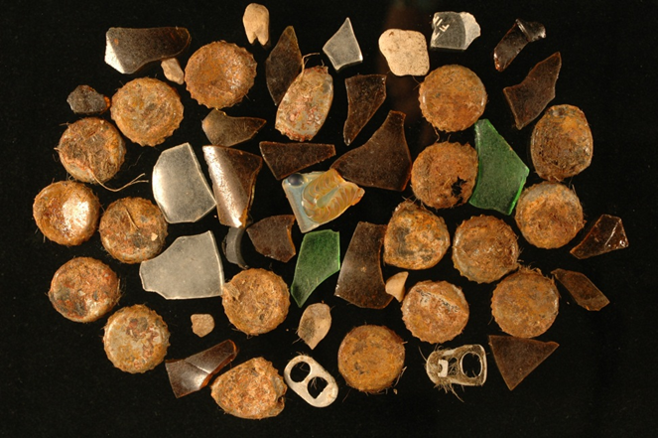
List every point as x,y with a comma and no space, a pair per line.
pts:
319,259
501,173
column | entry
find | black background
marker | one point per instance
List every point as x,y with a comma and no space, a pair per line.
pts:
601,381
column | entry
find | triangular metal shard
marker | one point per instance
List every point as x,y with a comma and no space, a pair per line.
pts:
365,94
516,358
284,159
224,130
283,65
343,49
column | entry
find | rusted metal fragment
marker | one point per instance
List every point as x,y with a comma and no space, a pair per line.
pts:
522,33
224,130
319,259
371,358
128,50
202,324
305,106
272,237
283,65
405,52
365,94
136,339
343,49
525,303
360,280
581,288
607,234
84,289
233,173
284,159
395,285
516,358
173,71
435,311
253,390
316,372
383,161
314,324
66,212
415,238
195,372
445,368
220,74
453,30
529,98
232,247
256,21
87,101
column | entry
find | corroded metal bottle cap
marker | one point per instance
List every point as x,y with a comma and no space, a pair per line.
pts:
136,339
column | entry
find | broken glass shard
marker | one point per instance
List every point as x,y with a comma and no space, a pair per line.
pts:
172,71
314,324
516,358
360,281
405,52
319,197
446,367
522,33
224,130
233,173
256,21
179,187
365,94
87,101
395,285
607,234
319,259
272,237
189,268
453,30
529,98
383,162
232,247
284,159
581,288
195,372
202,324
128,50
316,372
343,49
501,173
305,106
283,65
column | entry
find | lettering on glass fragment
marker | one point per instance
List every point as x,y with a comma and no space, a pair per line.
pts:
453,30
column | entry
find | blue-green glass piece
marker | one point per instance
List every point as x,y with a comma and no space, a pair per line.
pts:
318,259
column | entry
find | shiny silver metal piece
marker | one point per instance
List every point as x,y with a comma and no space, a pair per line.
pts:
446,367
328,394
343,49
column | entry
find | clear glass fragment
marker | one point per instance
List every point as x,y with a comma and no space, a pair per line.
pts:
179,186
128,50
365,94
319,197
189,268
581,288
202,324
272,237
453,30
446,367
224,130
395,285
173,71
319,259
516,358
283,65
232,247
405,52
501,173
233,173
329,392
360,281
314,324
529,98
383,161
284,159
607,234
343,49
256,21
87,101
195,372
522,33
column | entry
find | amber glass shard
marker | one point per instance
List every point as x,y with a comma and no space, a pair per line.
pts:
319,259
224,130
365,94
128,50
233,173
283,65
522,33
343,49
314,324
453,30
607,234
305,106
87,101
529,98
284,159
384,161
272,237
581,288
405,52
516,358
232,247
360,280
195,372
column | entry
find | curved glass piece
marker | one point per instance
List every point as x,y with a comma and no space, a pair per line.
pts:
319,259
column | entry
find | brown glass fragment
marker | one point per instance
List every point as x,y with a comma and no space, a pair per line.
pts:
607,234
87,101
283,65
272,237
516,358
522,33
284,159
365,94
371,358
360,280
529,98
581,288
224,130
195,372
383,161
